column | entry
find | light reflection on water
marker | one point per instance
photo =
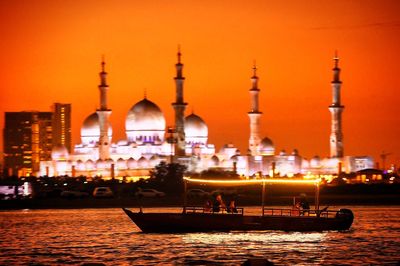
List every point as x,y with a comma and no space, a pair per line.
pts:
108,236
261,237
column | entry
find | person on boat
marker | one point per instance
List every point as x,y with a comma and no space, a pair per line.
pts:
296,208
208,206
219,204
232,207
305,206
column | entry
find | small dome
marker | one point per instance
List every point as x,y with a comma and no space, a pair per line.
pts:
228,146
108,163
145,122
267,147
142,162
234,158
214,161
89,164
90,131
80,165
59,153
122,142
153,161
121,164
195,127
315,161
131,163
100,164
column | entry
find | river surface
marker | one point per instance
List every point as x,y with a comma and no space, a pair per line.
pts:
107,236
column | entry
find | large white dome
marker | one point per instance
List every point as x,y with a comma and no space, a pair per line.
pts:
196,130
145,123
90,131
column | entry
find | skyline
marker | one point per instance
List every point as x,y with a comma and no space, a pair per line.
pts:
294,59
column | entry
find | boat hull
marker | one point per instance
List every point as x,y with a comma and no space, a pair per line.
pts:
206,222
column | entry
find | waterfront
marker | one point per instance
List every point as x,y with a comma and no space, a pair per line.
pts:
107,236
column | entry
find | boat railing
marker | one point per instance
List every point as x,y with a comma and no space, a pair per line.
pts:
196,209
324,213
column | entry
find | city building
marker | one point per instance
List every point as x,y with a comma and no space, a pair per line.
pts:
147,142
27,141
62,125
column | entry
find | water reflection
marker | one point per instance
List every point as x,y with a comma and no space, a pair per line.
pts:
260,244
261,237
108,236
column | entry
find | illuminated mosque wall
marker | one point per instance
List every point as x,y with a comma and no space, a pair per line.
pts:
148,143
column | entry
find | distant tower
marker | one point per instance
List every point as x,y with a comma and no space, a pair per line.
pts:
336,109
104,114
254,115
179,106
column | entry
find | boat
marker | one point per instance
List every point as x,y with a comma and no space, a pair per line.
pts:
201,219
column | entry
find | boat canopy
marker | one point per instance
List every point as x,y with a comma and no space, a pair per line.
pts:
239,182
243,182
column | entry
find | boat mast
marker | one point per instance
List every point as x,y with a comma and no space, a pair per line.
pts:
263,197
184,195
317,197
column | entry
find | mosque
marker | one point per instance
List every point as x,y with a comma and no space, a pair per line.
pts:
148,142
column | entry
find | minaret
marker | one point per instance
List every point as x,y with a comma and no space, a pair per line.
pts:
179,106
336,109
254,115
104,113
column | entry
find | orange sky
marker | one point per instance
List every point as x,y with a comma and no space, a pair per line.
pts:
50,52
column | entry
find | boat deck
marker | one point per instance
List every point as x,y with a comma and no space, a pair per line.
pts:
324,213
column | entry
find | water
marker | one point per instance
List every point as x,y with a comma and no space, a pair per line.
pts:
76,237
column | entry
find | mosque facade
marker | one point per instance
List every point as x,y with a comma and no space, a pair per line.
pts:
148,142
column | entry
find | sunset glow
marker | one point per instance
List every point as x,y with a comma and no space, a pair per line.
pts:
51,52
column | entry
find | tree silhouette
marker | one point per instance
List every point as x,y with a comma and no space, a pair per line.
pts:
168,176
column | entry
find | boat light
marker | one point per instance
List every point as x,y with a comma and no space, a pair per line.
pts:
253,181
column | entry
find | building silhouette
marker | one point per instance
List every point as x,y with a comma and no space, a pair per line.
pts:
28,139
